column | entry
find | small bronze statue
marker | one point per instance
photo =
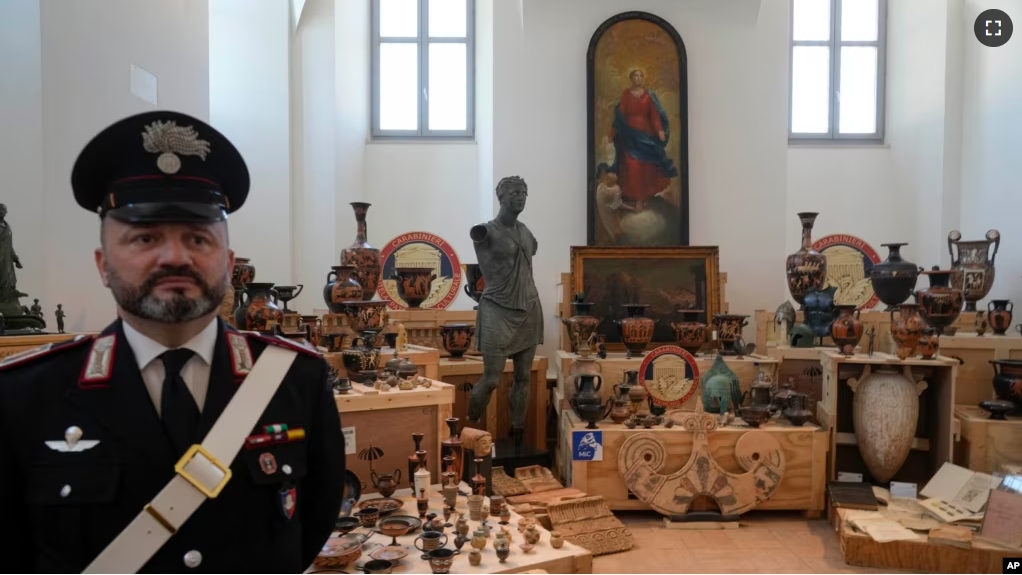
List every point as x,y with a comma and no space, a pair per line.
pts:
37,309
872,337
509,323
60,317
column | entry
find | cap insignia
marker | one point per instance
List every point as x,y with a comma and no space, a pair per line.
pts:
168,139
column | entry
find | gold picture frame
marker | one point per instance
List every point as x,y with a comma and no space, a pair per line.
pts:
665,278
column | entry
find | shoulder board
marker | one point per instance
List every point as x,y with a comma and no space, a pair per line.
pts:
280,341
46,350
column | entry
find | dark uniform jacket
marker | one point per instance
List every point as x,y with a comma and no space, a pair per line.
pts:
61,509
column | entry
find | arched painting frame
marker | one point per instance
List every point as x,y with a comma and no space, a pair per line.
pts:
648,206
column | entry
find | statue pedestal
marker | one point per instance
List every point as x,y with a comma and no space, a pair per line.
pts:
15,318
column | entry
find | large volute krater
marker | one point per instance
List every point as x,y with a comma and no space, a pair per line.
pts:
362,359
972,270
636,329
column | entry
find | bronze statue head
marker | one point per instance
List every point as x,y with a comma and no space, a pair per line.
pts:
3,211
512,192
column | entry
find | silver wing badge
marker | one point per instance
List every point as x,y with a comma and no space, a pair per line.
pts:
73,441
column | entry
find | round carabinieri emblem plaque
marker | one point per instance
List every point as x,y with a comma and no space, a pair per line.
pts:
421,250
670,375
849,262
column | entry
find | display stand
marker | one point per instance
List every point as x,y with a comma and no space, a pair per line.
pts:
804,450
12,344
426,359
975,373
934,434
921,556
568,559
464,373
613,368
387,420
987,445
423,326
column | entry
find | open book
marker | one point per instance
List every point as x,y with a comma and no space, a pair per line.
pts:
962,492
950,512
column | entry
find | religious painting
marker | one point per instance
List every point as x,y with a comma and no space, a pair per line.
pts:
638,133
665,279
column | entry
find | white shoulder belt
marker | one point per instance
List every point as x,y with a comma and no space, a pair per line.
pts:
202,472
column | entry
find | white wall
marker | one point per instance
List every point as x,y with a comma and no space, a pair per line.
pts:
87,49
992,139
21,148
890,193
249,102
737,132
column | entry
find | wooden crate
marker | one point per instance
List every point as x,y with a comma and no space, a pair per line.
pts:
423,326
543,558
566,295
463,374
387,420
12,344
613,368
425,358
935,431
975,374
987,444
921,556
802,487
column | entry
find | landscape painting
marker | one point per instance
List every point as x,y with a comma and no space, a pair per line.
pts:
638,134
665,279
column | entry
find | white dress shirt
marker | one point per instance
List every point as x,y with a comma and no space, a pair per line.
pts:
195,371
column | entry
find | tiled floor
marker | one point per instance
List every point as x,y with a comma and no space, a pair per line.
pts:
765,543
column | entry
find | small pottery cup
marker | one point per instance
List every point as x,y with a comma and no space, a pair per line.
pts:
441,559
369,516
475,557
430,540
496,505
526,547
378,566
475,507
556,539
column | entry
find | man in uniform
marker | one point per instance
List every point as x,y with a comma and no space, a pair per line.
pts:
124,452
509,323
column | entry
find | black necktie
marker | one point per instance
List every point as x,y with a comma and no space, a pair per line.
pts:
178,409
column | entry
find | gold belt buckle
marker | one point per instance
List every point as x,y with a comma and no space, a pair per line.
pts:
179,467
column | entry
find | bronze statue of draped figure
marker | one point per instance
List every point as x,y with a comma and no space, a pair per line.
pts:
509,322
16,316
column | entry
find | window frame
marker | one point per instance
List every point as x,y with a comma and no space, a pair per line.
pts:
423,41
833,135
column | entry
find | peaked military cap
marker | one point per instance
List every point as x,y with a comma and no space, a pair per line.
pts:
160,167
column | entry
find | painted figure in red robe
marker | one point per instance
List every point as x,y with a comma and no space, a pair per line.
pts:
640,133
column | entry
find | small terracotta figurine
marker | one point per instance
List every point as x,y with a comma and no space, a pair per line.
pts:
60,318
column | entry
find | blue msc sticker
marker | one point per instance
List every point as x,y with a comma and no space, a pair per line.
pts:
586,445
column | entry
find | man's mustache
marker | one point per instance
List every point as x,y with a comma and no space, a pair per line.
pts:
169,272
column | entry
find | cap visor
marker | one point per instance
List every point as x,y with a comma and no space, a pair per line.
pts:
168,212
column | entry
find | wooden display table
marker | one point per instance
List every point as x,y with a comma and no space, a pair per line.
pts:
387,420
935,431
987,444
614,367
921,556
425,358
12,344
802,485
464,373
568,559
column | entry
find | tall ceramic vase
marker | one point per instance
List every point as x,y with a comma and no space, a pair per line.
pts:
243,273
364,257
940,304
581,326
973,268
806,269
885,413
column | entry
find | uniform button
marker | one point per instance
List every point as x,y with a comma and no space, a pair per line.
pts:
65,491
286,469
193,559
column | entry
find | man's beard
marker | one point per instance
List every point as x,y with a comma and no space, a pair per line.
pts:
141,302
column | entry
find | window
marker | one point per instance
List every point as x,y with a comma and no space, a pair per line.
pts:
423,68
837,70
